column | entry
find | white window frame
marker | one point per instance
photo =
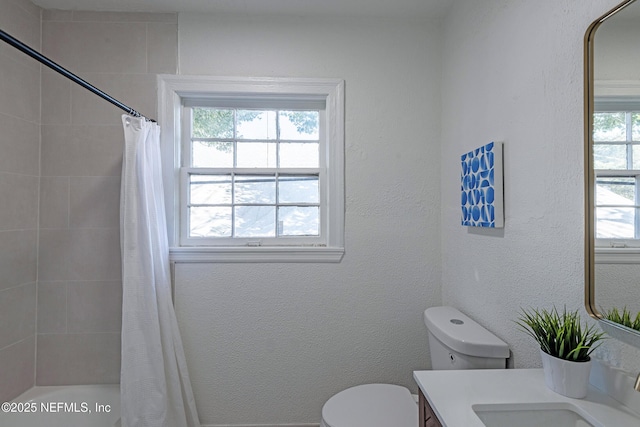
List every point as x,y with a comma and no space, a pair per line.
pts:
174,90
617,95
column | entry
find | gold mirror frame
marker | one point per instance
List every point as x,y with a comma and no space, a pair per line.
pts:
615,330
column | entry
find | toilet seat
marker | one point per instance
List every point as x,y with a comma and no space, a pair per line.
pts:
371,405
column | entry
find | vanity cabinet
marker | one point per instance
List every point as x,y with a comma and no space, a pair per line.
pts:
426,417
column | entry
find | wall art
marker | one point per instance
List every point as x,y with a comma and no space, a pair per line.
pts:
481,186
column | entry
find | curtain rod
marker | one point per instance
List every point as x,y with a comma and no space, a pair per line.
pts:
49,63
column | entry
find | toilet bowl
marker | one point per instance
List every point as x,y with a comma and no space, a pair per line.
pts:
371,405
455,342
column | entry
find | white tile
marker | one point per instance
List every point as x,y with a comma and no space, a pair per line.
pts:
78,359
17,313
137,91
82,150
124,16
56,99
80,254
21,19
57,15
29,7
17,373
94,202
162,48
20,89
52,307
19,207
18,255
94,307
19,145
54,202
97,47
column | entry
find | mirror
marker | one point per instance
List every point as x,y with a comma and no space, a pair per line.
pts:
612,171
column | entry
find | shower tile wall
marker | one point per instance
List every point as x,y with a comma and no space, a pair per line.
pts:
19,177
79,271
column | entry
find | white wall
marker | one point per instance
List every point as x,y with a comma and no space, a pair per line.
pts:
513,73
616,46
617,286
270,343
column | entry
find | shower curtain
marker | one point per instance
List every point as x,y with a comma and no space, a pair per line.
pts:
155,386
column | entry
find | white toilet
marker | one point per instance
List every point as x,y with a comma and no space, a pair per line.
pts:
455,342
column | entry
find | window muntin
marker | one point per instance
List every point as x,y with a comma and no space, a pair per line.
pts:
252,176
616,157
175,92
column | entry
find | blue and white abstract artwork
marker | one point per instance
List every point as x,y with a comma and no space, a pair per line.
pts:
481,187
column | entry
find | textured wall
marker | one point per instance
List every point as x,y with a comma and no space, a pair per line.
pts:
270,343
79,272
19,170
513,73
617,286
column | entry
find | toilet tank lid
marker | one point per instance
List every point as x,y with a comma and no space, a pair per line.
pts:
462,334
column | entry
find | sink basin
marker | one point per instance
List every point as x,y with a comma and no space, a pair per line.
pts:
557,414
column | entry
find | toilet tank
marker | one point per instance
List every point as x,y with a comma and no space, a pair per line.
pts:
458,342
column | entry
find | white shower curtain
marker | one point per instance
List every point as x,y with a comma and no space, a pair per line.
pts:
155,386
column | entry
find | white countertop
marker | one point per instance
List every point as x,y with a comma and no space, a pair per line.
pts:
451,395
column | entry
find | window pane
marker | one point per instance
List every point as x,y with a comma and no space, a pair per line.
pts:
298,220
610,156
256,124
636,156
302,125
615,223
298,189
299,155
210,189
609,127
255,189
209,222
212,123
615,191
256,155
255,221
635,126
211,154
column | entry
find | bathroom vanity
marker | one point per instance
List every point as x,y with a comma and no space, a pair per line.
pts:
426,415
509,397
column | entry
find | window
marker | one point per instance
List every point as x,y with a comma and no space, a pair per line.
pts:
254,168
251,176
616,156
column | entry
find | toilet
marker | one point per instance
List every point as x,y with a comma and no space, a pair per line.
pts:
455,342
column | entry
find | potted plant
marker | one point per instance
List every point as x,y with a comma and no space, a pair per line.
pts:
565,348
625,318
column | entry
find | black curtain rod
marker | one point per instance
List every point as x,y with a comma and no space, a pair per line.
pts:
68,74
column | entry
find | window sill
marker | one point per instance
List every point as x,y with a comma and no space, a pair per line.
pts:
606,255
255,254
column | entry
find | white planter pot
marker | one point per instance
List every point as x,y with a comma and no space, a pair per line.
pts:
567,378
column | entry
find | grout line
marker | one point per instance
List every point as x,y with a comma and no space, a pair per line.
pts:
68,202
37,269
17,342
